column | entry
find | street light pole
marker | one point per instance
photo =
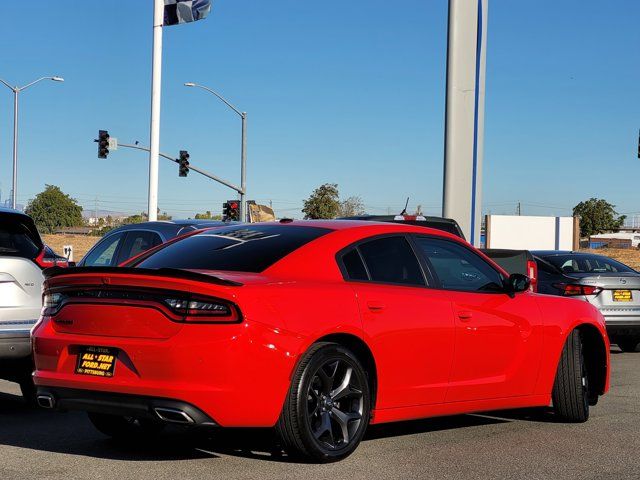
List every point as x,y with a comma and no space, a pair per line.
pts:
244,214
16,91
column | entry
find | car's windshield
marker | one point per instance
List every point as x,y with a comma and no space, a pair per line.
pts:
242,248
585,263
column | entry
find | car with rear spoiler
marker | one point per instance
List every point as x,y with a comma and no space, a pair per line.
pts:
314,329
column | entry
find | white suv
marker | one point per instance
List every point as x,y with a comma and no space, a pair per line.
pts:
23,256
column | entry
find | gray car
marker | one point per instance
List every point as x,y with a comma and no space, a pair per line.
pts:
125,242
23,256
611,286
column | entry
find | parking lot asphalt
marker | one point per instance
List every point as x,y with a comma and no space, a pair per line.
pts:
37,444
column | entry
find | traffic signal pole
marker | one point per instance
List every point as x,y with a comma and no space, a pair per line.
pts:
202,172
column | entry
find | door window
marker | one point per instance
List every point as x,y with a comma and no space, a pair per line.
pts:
459,268
103,255
138,241
391,260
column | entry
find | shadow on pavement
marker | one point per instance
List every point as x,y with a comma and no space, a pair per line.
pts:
72,433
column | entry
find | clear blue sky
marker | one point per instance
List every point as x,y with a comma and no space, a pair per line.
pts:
336,91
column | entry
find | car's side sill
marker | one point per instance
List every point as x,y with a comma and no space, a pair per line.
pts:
455,408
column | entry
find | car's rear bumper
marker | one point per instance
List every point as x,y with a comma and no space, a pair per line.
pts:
163,409
15,343
622,324
237,375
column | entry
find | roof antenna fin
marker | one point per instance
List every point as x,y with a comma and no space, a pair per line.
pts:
404,210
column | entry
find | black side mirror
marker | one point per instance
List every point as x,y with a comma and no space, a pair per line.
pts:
518,282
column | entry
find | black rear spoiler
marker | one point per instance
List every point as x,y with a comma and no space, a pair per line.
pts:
154,272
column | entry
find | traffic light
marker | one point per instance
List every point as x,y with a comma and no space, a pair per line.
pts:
231,210
103,143
183,162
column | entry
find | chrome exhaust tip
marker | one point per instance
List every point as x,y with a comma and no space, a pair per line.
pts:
46,401
173,415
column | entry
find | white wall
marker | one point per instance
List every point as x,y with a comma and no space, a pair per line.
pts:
530,233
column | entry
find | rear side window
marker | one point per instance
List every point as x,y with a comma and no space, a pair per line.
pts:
15,241
354,267
241,248
391,260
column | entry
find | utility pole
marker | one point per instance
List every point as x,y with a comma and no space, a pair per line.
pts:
519,209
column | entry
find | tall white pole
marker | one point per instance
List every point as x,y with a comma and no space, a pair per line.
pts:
464,122
14,189
156,88
244,211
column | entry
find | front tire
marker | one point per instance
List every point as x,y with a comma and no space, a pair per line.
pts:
125,428
628,344
328,406
571,388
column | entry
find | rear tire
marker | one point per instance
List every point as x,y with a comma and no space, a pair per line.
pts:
628,344
571,388
125,428
29,392
328,406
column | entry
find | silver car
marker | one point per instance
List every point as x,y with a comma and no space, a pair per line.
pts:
611,286
23,256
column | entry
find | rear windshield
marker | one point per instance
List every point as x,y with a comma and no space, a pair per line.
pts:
242,248
586,264
15,241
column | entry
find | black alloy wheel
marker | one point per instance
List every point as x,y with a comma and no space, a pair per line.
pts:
328,406
335,404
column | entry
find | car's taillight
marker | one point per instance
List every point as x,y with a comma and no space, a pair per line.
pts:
572,289
44,262
532,273
52,302
205,310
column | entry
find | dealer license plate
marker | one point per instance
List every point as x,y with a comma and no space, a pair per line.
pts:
622,296
96,361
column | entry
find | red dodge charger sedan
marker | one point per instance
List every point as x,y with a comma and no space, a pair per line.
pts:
318,328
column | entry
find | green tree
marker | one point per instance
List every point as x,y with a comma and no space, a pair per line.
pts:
597,216
207,216
142,217
53,209
324,202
